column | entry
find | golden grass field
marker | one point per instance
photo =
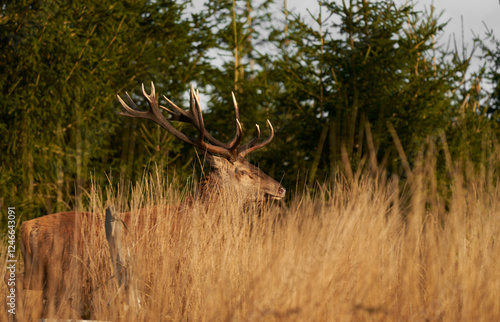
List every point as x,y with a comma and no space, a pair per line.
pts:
372,250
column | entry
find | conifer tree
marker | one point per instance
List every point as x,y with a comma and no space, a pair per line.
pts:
62,64
363,68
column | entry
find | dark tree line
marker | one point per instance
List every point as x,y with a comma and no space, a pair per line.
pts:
342,92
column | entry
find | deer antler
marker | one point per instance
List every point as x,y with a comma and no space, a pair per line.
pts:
230,150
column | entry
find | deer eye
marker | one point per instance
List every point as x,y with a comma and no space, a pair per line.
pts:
242,173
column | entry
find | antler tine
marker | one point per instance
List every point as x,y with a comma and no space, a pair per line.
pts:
192,107
151,97
257,137
173,113
236,110
244,150
181,115
129,111
155,115
199,115
195,114
191,116
177,110
131,102
253,141
235,141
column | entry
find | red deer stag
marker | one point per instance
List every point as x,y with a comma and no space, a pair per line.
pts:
52,246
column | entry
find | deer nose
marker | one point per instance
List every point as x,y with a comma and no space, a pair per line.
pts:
281,191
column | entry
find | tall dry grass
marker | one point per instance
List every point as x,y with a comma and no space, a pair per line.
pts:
370,250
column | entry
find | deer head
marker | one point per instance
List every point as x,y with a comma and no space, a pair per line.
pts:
230,171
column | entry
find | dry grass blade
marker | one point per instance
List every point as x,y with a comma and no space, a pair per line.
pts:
350,254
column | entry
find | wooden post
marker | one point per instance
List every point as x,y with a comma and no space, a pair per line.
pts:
114,235
120,256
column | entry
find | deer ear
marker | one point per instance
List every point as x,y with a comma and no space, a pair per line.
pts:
215,161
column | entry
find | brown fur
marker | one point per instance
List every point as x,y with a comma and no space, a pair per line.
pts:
58,250
54,247
47,245
56,254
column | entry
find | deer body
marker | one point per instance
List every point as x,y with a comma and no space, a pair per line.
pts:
57,254
53,246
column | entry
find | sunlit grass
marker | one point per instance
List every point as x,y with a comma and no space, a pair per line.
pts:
370,250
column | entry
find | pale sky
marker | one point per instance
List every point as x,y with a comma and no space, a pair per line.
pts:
474,13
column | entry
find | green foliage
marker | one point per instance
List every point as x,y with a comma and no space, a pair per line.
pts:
62,64
490,47
332,89
237,27
361,68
